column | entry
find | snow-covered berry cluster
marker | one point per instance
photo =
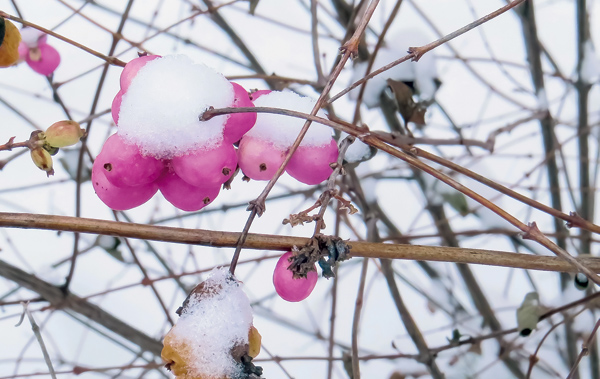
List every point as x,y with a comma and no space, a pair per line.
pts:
263,149
162,144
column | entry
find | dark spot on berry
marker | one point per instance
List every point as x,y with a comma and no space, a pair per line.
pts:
206,200
226,171
262,167
108,167
525,332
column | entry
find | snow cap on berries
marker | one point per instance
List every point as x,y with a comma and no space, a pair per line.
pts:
282,130
159,112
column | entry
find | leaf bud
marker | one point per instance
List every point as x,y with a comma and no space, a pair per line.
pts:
42,160
64,133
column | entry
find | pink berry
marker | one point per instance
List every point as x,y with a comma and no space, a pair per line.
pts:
125,166
131,69
120,198
287,287
310,164
238,124
185,196
207,165
116,107
256,94
259,159
48,61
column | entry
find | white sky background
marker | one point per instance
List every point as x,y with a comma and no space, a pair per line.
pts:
285,49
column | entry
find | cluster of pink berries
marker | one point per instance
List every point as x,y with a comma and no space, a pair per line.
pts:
138,161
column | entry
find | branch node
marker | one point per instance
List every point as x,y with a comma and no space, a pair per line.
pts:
532,231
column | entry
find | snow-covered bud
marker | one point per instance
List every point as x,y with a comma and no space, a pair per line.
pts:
64,133
42,160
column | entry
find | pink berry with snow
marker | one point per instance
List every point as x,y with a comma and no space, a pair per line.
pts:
259,159
239,123
311,164
287,287
206,165
256,94
125,166
120,198
131,69
116,107
185,196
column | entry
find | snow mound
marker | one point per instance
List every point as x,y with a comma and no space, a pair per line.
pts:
212,324
282,130
159,112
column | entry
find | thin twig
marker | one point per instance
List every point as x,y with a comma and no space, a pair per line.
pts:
348,49
38,336
356,319
415,53
109,59
585,350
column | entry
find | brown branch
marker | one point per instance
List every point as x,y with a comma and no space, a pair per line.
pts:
58,300
285,243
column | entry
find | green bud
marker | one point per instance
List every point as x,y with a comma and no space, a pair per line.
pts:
528,314
64,133
42,160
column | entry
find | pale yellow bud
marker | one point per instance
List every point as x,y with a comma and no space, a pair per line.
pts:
64,133
42,160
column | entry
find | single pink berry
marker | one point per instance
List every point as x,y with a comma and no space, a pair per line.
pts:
131,69
125,166
259,159
116,107
120,198
238,124
43,59
256,94
311,164
185,196
287,287
207,165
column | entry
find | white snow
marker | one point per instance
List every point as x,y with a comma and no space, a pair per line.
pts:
160,110
590,67
212,324
282,130
30,36
357,151
422,73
